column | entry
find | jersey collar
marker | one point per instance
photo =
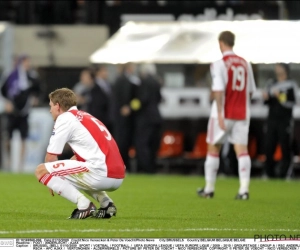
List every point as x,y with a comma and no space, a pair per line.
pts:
228,52
73,108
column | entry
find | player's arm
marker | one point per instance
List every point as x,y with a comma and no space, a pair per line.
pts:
73,158
50,157
58,139
218,73
219,96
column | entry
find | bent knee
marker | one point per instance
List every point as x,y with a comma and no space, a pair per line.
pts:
40,171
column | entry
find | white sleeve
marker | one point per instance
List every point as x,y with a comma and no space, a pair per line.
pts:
60,136
251,81
218,75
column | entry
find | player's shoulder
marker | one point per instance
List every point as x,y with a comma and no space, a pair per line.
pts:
217,64
242,58
64,117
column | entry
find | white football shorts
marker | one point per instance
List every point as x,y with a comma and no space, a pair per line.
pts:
236,131
82,175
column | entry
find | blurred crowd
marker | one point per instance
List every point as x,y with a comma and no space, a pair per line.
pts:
22,90
128,107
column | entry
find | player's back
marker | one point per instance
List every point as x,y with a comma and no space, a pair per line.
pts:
236,105
92,142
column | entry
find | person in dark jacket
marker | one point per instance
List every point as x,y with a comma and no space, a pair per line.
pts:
21,90
100,104
280,96
82,89
148,119
124,90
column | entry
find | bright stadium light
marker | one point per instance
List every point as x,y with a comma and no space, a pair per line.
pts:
258,41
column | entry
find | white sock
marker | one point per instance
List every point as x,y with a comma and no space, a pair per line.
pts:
66,190
100,196
211,167
244,163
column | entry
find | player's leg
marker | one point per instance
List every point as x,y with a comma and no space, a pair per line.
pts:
244,165
215,137
53,174
98,187
107,207
239,137
211,167
100,196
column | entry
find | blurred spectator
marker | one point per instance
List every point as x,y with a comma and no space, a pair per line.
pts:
101,98
125,89
280,96
21,90
82,89
148,119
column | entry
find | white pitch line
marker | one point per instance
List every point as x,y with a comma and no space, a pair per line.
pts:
149,230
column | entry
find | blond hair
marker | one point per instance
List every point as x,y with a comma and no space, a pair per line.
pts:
65,97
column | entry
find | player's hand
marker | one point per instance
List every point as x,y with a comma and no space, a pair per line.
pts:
74,158
221,122
265,95
125,110
51,191
276,93
9,107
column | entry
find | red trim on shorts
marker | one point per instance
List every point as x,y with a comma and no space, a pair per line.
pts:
76,170
243,154
45,179
213,155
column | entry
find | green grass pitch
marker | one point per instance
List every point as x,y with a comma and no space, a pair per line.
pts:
156,206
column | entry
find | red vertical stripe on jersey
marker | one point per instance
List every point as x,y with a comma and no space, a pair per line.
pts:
236,89
114,161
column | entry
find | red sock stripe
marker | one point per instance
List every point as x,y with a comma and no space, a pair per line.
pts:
243,154
45,179
213,155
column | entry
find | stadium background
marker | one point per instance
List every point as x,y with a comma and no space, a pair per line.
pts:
60,37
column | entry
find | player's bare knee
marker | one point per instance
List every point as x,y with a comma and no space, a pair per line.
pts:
40,171
213,149
240,149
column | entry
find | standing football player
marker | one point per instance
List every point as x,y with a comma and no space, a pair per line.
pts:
96,166
232,86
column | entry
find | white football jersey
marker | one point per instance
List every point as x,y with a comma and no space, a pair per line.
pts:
233,75
90,141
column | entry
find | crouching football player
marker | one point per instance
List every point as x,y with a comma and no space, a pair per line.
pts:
96,166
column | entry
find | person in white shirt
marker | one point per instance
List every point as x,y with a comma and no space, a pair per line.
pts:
232,86
96,166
